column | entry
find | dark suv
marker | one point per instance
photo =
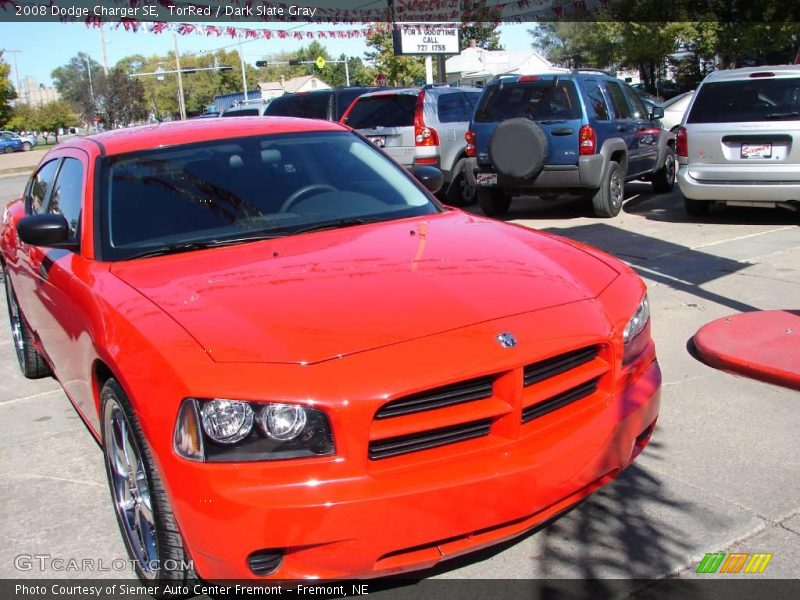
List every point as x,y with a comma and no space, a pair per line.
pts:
327,104
565,131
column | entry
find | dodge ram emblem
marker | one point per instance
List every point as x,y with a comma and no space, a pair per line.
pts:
507,340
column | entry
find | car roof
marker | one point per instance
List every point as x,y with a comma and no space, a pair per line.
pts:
414,91
747,72
157,135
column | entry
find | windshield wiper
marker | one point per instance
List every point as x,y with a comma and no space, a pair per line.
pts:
783,115
336,224
201,245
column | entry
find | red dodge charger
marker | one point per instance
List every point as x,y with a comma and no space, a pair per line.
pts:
300,365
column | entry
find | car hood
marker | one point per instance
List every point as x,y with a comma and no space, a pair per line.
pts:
317,296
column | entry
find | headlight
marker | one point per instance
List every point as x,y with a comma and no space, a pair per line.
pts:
221,430
635,336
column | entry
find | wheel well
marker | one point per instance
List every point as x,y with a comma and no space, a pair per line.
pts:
622,158
671,143
101,373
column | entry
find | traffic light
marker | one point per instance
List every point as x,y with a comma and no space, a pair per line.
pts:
261,63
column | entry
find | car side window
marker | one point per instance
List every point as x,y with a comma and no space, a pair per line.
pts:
637,106
451,108
621,109
68,194
40,188
597,100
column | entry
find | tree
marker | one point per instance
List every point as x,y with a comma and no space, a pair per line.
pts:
7,92
53,116
121,99
486,36
22,118
399,70
77,82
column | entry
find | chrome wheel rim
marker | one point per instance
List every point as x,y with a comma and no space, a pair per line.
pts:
616,190
670,168
15,320
130,490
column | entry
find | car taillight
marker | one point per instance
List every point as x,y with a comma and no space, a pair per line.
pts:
423,135
587,140
682,142
470,149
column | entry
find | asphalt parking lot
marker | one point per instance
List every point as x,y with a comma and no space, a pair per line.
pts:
722,472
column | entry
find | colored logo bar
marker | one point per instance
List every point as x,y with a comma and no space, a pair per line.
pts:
734,562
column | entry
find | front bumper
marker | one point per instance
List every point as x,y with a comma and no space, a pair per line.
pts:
393,519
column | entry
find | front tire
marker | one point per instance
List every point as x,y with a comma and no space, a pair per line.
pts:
26,147
31,363
607,201
493,201
460,192
143,510
696,208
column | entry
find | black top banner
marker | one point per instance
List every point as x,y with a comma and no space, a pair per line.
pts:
398,11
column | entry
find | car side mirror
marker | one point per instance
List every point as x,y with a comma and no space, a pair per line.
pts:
430,177
44,230
657,113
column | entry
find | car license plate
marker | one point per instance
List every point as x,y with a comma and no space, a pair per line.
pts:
756,150
486,178
378,140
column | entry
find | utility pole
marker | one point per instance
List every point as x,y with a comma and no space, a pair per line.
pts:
244,74
103,43
181,102
20,91
91,87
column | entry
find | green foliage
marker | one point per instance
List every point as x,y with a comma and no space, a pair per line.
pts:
399,70
22,118
7,92
77,82
486,36
121,99
54,116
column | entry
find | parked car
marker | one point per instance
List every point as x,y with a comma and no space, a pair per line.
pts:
674,109
340,378
9,145
250,108
562,131
739,143
26,142
421,127
327,104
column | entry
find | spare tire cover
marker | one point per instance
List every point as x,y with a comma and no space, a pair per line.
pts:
518,148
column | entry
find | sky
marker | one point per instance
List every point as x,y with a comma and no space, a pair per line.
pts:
45,46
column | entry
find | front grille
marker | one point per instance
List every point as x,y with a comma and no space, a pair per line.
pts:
560,400
464,391
551,367
429,439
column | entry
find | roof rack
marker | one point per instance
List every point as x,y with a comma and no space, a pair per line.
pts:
590,70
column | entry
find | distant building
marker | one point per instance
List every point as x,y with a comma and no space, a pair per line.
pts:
307,83
476,66
37,94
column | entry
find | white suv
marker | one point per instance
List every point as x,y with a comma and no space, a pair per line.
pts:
739,142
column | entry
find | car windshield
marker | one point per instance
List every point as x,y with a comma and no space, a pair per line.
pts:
676,99
545,99
236,190
755,99
384,110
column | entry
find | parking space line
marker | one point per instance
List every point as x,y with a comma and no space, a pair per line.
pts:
31,397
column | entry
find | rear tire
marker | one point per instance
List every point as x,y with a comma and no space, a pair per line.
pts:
696,208
143,510
31,363
607,201
493,202
664,179
460,193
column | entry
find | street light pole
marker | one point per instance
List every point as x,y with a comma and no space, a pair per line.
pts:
181,101
244,74
91,87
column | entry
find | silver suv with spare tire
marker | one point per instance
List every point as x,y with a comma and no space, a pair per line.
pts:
565,132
